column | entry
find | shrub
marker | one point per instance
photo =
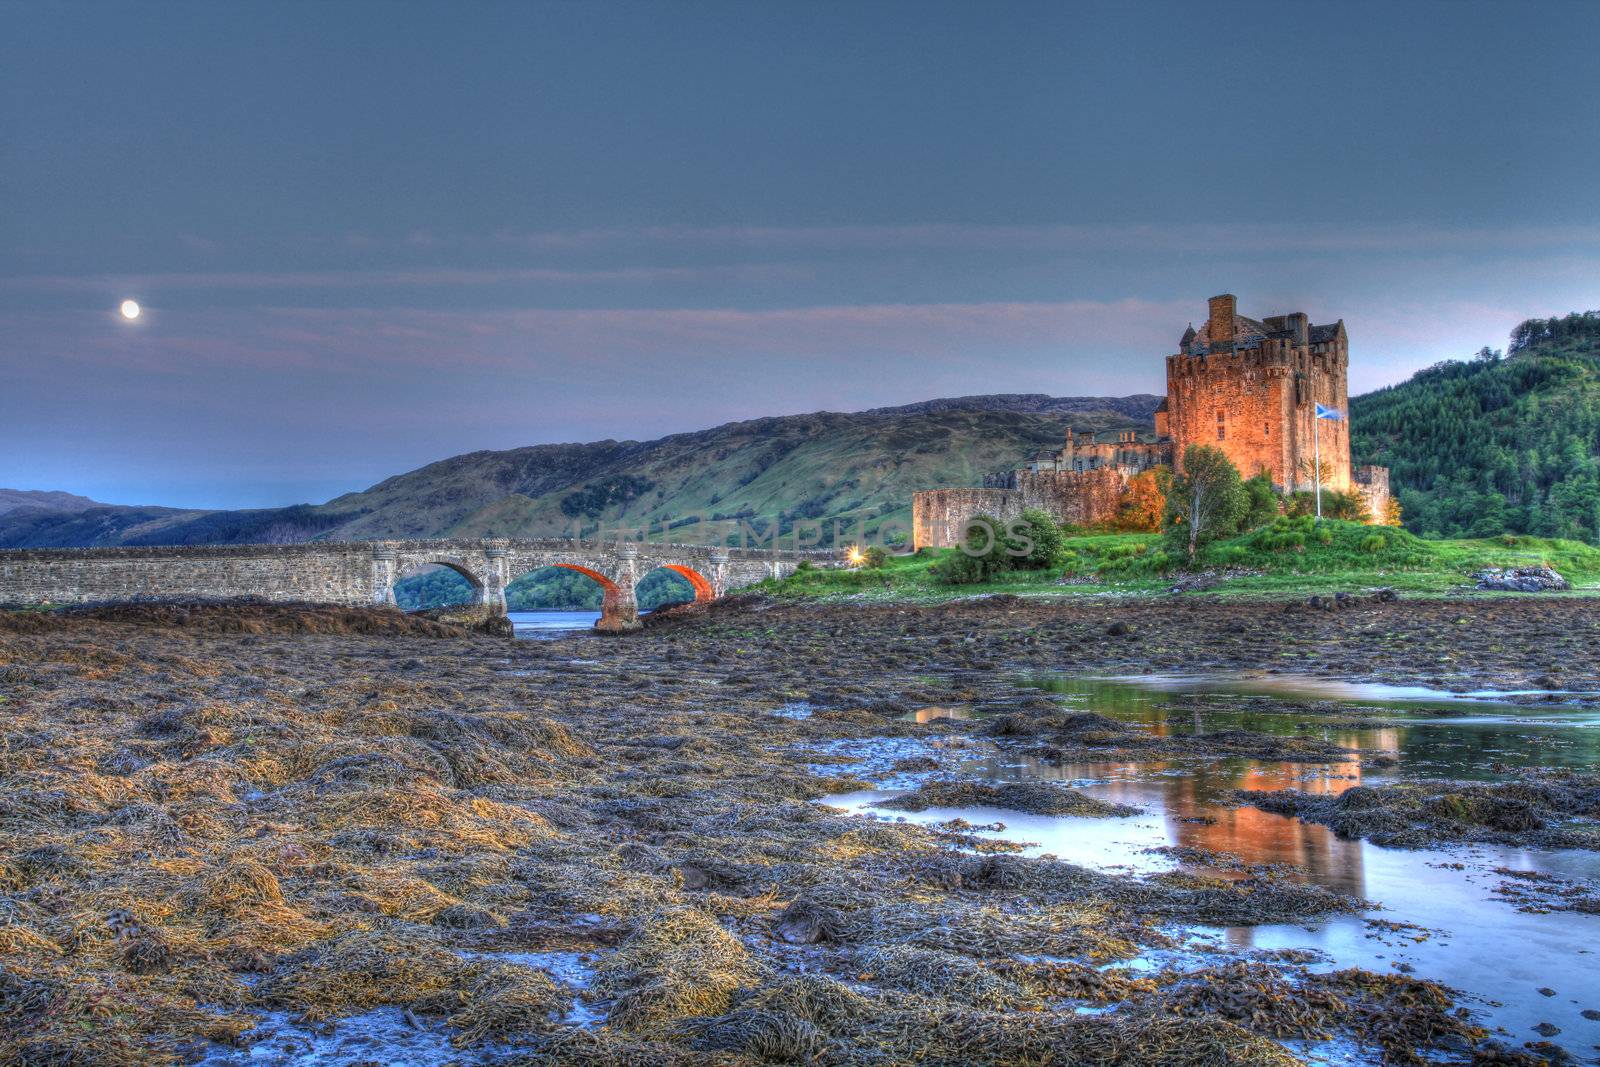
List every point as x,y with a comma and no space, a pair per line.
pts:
1348,506
1035,541
1372,544
1228,555
980,556
875,556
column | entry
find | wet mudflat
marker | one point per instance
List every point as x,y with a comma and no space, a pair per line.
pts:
238,835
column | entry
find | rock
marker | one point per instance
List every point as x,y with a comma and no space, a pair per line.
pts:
1547,1029
1385,596
1546,991
1591,1014
1119,629
805,922
1539,579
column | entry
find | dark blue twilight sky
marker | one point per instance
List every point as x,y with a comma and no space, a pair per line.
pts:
368,236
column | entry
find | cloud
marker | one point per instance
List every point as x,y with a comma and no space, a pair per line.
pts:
355,279
1149,237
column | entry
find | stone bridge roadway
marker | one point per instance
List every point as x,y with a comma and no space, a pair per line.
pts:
364,572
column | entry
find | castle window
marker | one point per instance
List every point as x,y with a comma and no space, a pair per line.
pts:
1266,429
1222,426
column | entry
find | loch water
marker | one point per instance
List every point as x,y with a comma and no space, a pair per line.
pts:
1436,911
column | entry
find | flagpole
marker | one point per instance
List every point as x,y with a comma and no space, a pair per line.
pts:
1316,437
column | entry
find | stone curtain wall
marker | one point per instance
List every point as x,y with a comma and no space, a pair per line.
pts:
1077,498
939,517
327,574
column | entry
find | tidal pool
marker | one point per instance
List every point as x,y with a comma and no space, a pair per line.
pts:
1436,913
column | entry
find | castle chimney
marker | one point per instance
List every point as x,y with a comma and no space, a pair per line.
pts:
1301,327
1222,311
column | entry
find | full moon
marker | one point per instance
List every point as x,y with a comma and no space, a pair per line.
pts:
130,309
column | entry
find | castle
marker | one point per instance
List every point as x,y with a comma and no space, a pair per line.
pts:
1248,387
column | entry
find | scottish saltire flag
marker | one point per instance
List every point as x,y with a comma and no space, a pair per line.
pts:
1327,413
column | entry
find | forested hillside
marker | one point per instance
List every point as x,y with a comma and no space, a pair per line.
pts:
1499,443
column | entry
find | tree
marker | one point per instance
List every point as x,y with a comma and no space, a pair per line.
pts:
1261,502
1145,502
1034,541
1207,499
1308,469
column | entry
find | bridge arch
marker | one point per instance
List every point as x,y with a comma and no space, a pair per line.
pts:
703,587
411,565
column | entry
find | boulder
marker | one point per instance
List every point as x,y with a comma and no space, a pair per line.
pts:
1541,579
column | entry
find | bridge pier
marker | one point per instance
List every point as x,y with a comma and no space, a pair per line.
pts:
492,594
619,607
383,575
719,573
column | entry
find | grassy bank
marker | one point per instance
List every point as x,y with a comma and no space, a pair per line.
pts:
1288,558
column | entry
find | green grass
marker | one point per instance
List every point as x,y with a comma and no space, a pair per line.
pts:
1290,558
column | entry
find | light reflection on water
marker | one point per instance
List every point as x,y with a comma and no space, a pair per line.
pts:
1470,939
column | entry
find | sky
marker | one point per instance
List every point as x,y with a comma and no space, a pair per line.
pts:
371,236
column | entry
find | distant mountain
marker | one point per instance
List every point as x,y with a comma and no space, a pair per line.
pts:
860,466
44,500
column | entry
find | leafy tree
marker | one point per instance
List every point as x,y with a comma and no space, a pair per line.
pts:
1261,502
1145,502
1207,499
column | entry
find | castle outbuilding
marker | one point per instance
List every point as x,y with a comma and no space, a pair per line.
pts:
1249,387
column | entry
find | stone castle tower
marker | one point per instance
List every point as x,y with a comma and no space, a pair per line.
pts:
1250,388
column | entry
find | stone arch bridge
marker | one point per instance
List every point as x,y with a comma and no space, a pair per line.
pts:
364,572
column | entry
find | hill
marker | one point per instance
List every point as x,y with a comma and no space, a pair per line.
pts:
42,500
861,467
1498,443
